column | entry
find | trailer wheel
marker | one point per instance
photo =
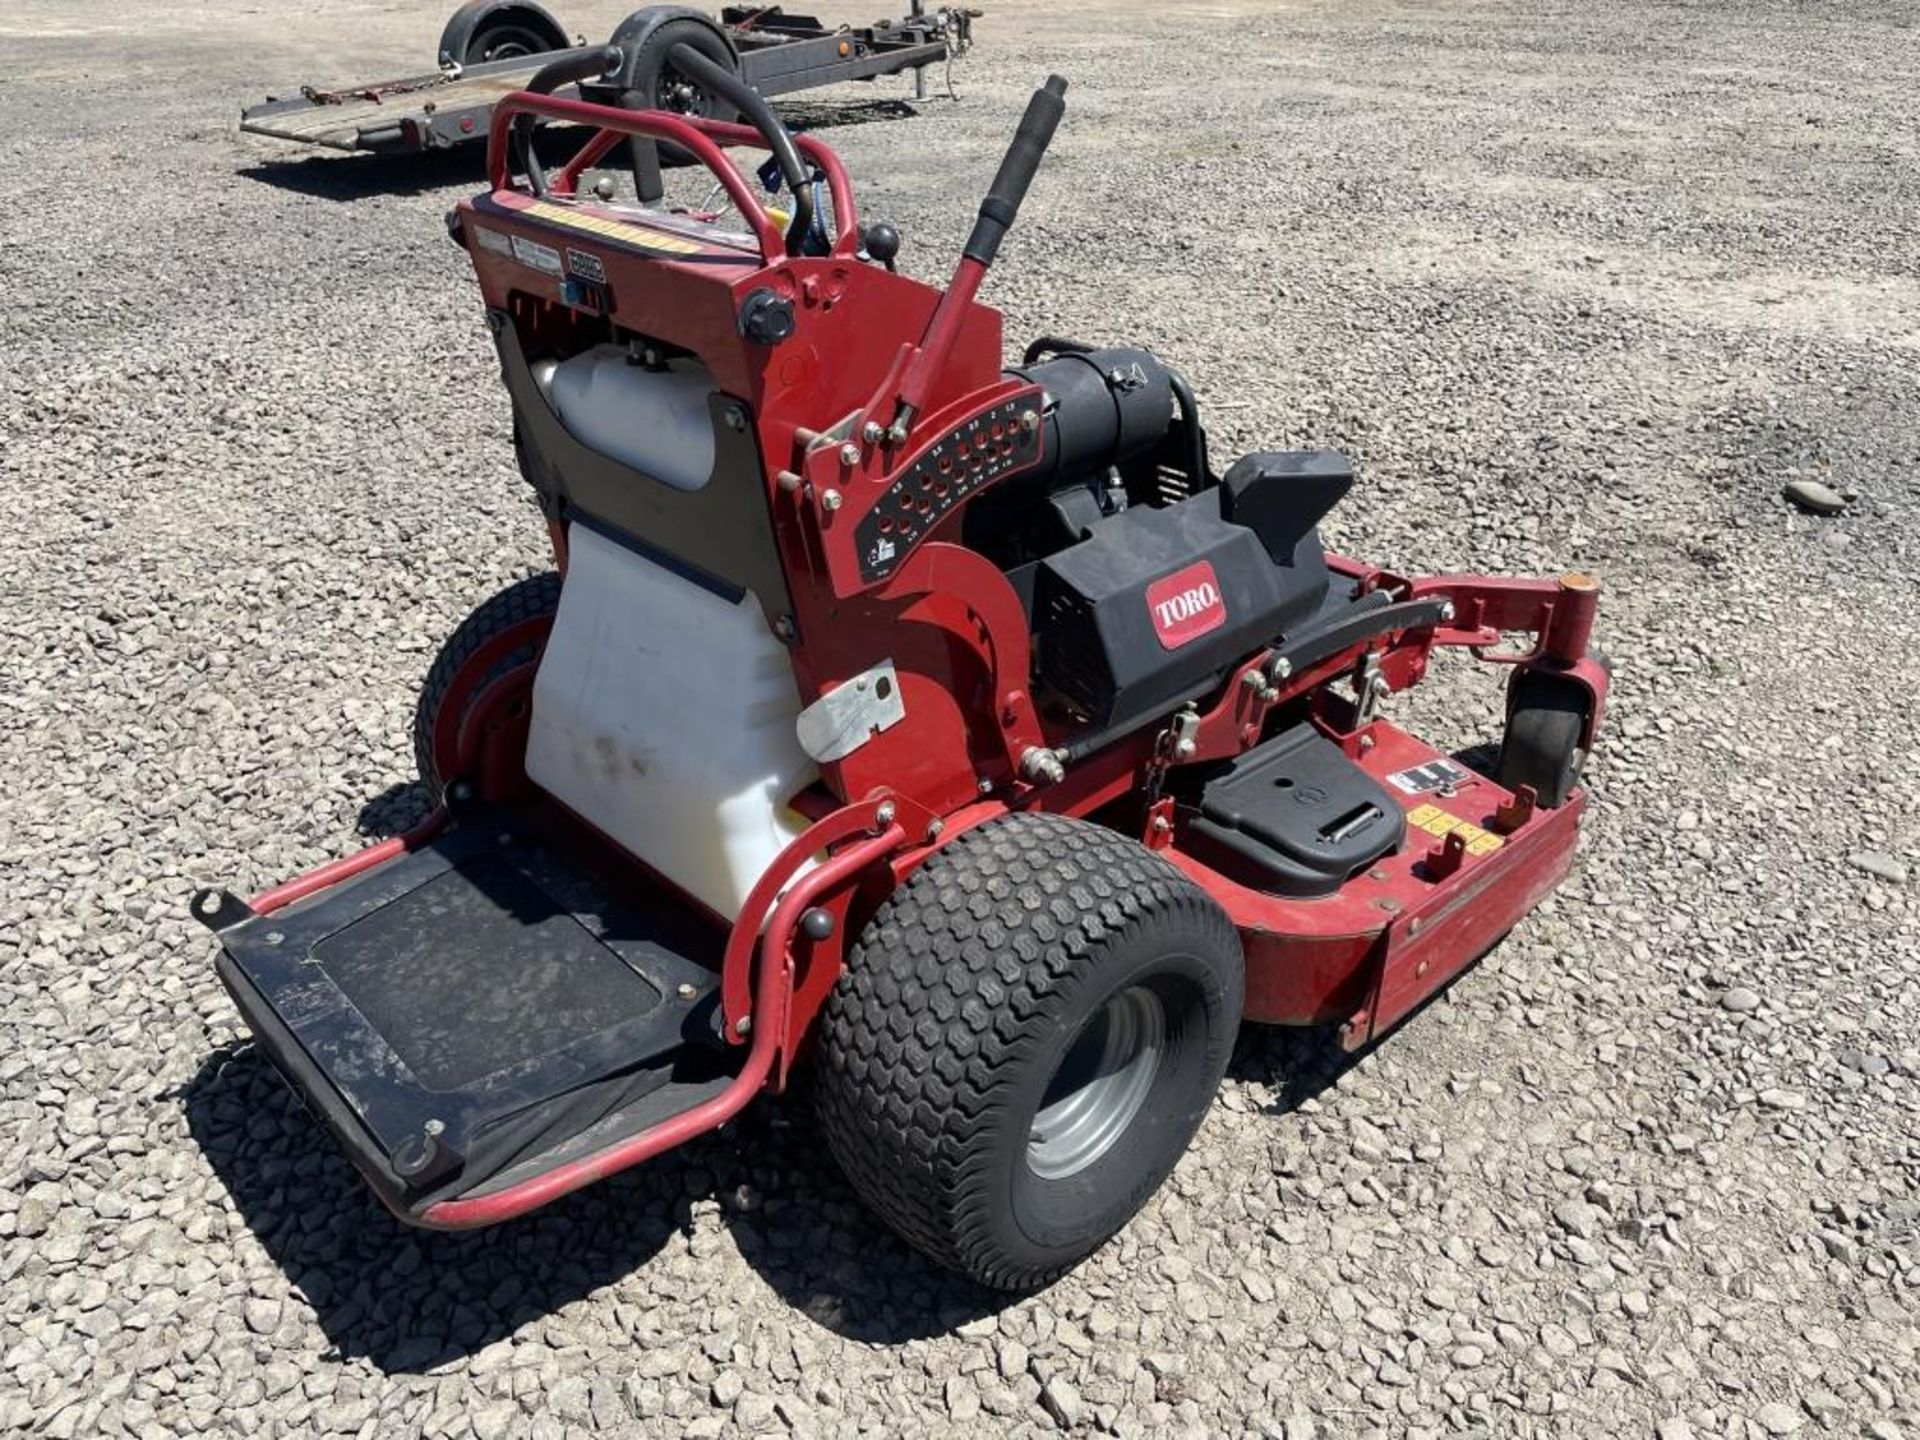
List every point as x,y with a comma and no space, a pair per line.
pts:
1546,717
1023,1042
649,75
536,597
483,30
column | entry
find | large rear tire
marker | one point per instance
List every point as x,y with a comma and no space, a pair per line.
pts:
535,597
1023,1042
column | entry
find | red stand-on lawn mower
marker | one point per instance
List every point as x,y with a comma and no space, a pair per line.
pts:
953,729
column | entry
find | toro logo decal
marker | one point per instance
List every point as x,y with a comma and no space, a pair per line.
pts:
1186,605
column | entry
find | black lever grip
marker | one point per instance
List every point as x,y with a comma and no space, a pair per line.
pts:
1009,188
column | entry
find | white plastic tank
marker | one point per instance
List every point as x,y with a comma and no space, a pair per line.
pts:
656,420
664,714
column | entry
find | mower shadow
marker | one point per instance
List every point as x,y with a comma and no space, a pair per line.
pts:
1298,1062
394,811
410,1301
355,176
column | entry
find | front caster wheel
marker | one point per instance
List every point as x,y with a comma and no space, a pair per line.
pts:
1546,717
1023,1042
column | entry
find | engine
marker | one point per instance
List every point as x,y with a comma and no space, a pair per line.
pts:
1144,577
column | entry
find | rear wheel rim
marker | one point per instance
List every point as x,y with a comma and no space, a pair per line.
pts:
1100,1085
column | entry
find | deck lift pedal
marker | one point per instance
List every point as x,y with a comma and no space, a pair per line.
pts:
956,729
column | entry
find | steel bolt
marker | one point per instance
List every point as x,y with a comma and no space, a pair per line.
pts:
1447,613
873,432
743,1025
1029,420
1280,668
434,1128
274,937
736,420
934,827
886,812
849,454
687,990
984,785
1253,681
830,500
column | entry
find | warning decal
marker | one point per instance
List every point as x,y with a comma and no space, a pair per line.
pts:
639,236
1439,824
532,253
1434,775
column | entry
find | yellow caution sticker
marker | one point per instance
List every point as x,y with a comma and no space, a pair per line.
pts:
1440,824
640,236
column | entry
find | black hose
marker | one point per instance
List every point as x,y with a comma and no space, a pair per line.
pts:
1053,345
729,86
1196,437
568,70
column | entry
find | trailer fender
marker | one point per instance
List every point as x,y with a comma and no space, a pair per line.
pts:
639,38
482,30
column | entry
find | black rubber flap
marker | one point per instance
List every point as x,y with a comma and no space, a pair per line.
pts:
480,971
471,1005
1295,817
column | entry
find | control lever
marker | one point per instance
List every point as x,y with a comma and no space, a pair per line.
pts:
997,214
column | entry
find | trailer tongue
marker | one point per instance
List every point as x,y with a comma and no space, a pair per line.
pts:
774,52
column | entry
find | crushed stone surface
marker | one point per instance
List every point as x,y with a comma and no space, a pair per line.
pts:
1577,286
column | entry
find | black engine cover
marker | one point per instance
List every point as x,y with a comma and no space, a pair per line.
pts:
1160,600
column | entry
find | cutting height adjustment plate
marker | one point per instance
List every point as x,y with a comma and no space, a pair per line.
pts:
987,447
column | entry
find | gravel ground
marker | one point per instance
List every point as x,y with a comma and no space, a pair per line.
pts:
1578,285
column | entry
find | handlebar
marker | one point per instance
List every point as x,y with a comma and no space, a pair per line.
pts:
704,139
1017,169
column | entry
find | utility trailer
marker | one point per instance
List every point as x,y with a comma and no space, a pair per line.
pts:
491,48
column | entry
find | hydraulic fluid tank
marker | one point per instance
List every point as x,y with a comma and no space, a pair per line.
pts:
655,421
664,714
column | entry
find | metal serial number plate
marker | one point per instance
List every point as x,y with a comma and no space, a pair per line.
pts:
993,444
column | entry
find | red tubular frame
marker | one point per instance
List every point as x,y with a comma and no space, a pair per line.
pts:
348,866
702,137
773,990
